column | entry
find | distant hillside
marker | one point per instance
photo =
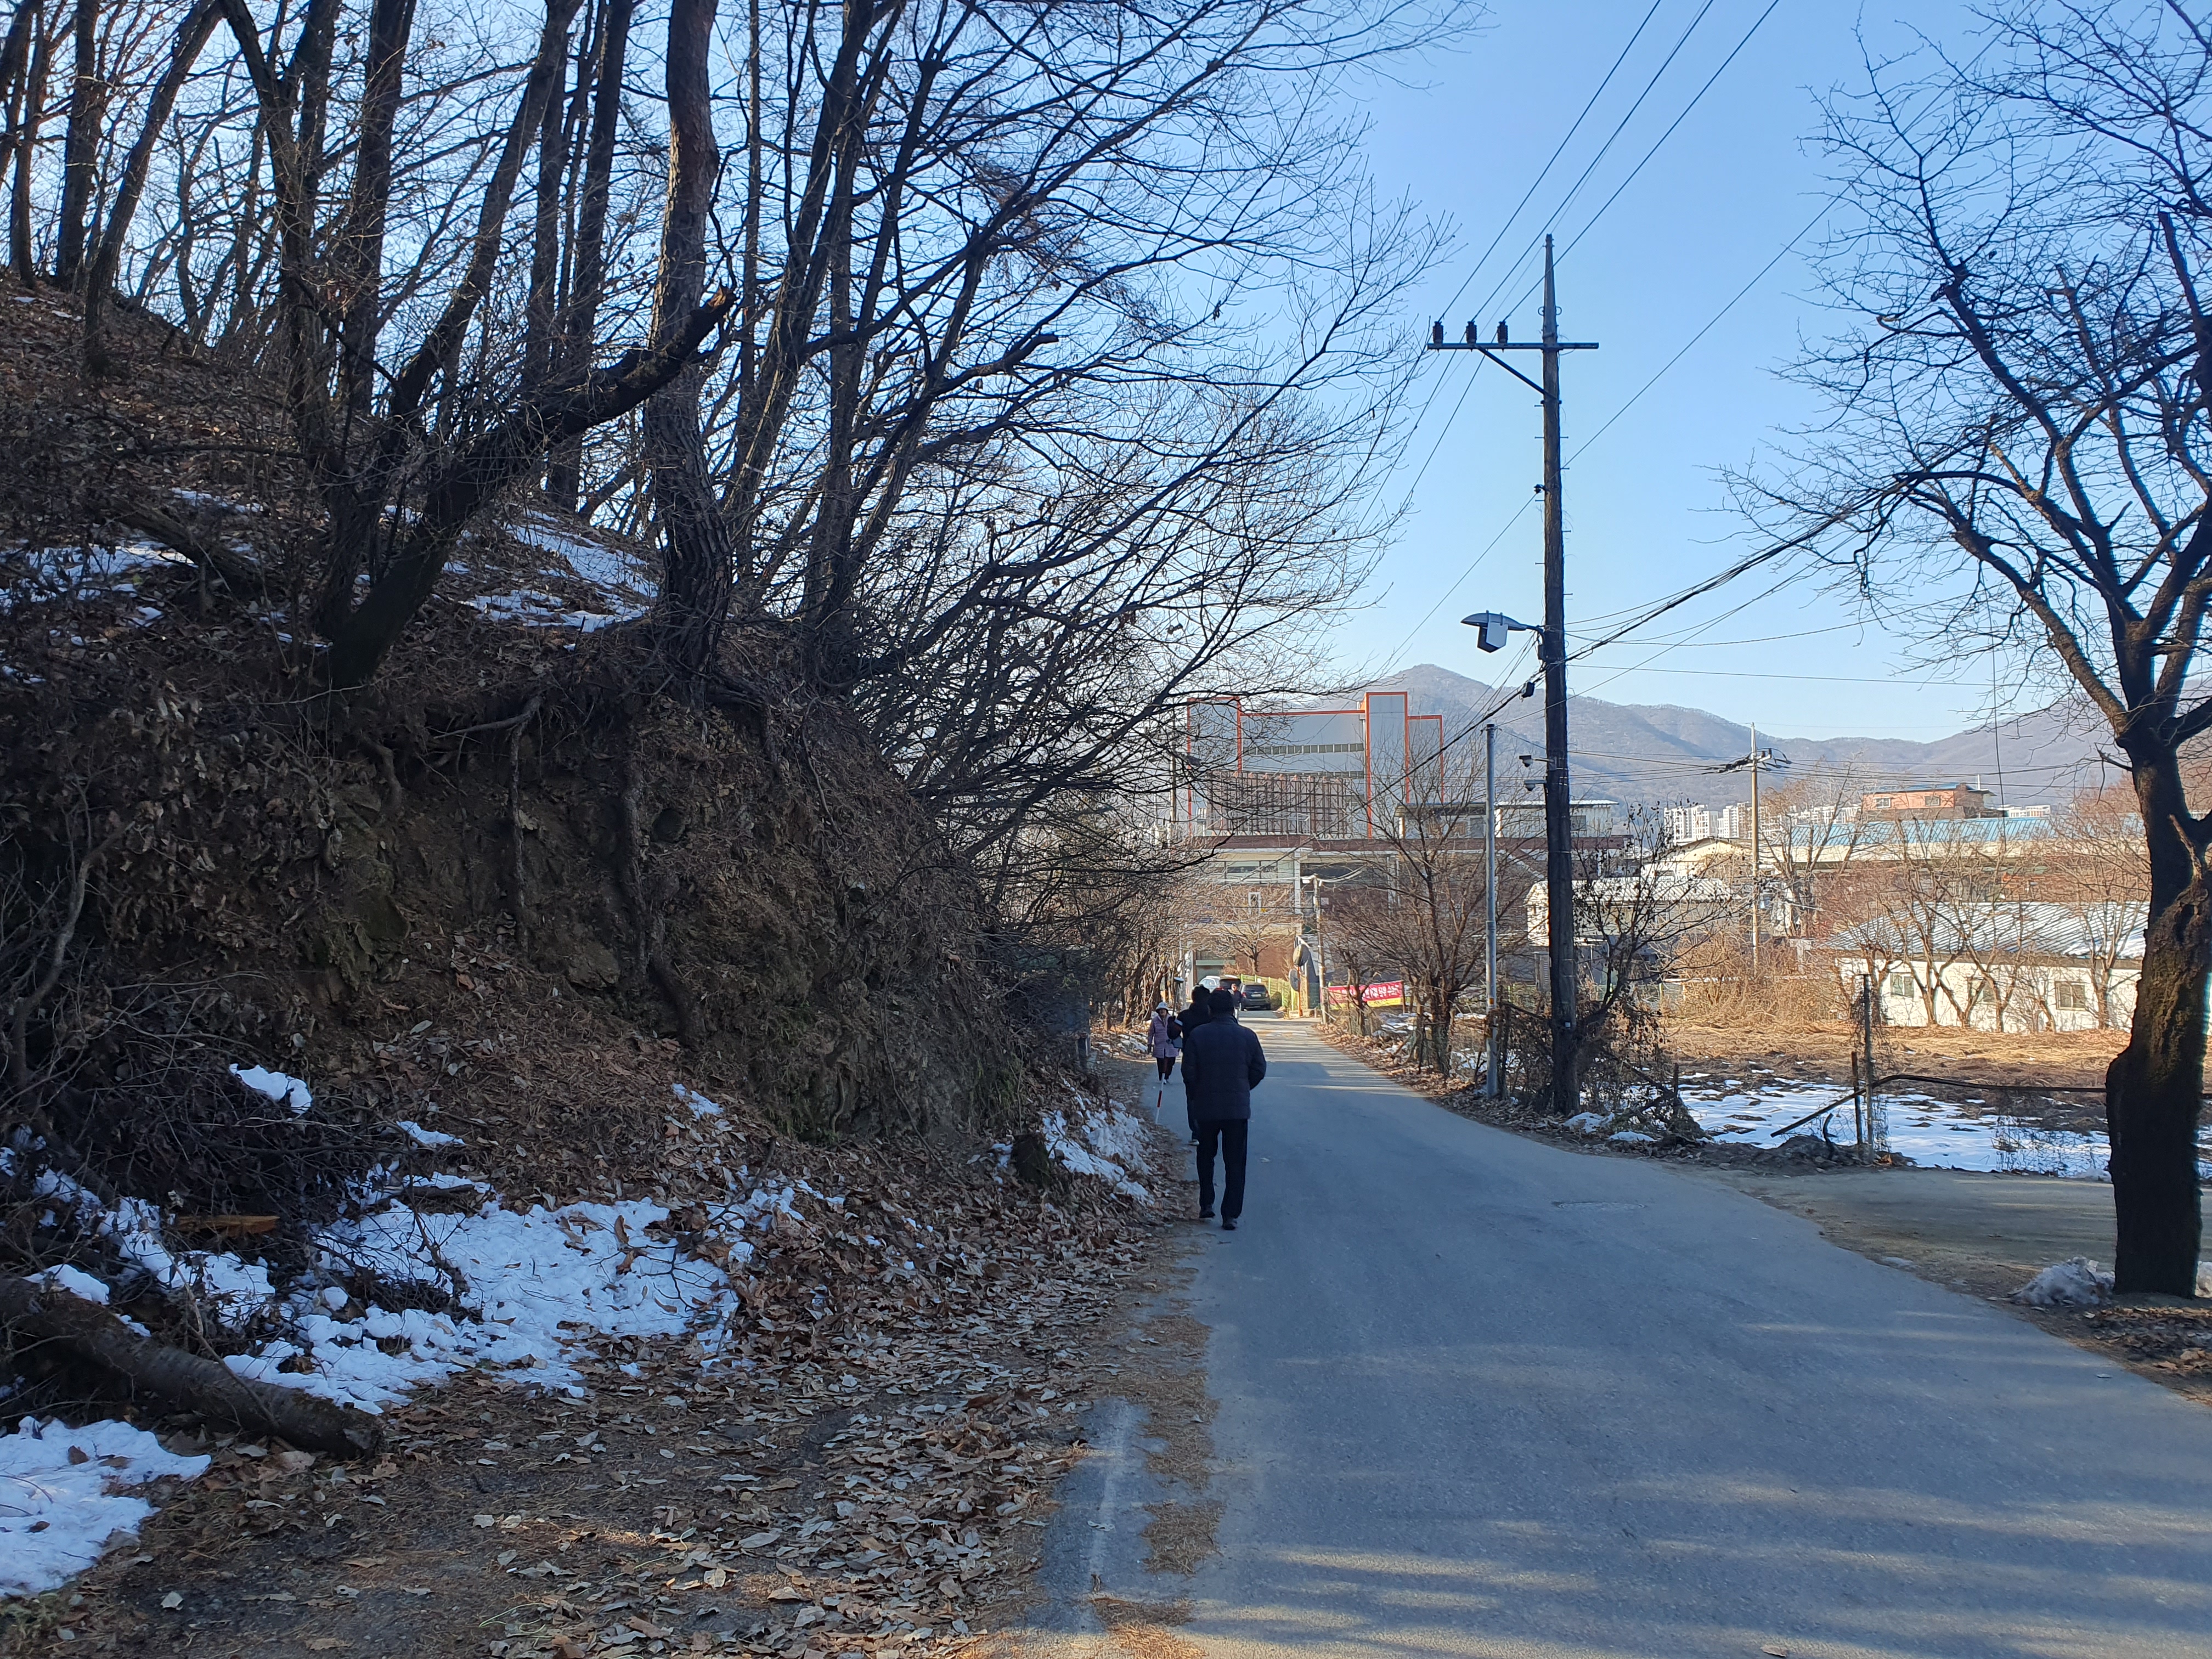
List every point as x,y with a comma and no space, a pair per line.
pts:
1658,752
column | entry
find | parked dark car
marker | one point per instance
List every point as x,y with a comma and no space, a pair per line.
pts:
1256,996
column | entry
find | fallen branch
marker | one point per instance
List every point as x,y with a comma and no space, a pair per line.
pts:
241,576
90,1332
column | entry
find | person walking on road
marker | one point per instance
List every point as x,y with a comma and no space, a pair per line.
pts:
1222,1064
1200,1011
1163,1036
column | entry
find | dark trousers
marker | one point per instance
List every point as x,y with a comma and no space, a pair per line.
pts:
1230,1137
1167,1066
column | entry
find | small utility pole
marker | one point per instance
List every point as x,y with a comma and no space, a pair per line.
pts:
1558,819
1490,1033
1754,852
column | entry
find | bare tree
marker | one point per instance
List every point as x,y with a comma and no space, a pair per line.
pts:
2100,876
2025,422
1430,908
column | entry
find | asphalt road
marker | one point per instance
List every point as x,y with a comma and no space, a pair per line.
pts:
1484,1396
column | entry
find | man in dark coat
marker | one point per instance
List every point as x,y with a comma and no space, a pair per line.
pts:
1200,1011
1222,1064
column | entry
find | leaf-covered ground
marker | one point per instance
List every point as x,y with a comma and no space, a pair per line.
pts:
872,1481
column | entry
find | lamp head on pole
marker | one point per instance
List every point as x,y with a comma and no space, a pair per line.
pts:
1491,628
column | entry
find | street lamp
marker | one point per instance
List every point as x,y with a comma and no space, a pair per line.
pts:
1493,630
1494,626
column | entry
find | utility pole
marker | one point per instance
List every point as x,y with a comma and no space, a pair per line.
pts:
1754,852
1490,1033
1558,819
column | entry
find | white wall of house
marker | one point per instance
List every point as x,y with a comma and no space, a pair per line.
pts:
2033,995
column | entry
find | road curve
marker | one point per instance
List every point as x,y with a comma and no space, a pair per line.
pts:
1480,1396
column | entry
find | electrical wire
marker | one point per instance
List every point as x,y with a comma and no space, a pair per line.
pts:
1782,253
1545,172
1658,142
1603,150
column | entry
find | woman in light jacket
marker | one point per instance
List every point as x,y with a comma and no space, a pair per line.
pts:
1164,1038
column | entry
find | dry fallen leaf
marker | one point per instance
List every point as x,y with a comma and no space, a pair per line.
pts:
325,1643
647,1628
786,1593
173,1599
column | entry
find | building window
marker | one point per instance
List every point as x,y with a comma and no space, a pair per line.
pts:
2072,993
1900,984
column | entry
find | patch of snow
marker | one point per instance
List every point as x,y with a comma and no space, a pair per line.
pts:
76,1281
422,1137
1629,1138
286,1092
1933,1133
534,610
699,1105
56,1515
1100,1140
529,1288
2076,1282
230,1289
594,561
54,572
1588,1123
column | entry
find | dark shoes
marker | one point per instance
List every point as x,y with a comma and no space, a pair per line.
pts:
1207,1214
1228,1226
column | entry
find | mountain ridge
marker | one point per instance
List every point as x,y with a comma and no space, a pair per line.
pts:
1658,753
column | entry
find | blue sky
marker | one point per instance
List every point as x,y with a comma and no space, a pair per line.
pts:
1647,514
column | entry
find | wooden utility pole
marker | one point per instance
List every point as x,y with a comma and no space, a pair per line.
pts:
1754,852
1558,817
1493,1064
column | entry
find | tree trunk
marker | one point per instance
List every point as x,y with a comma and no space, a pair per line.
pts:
580,318
20,250
538,318
108,260
493,463
90,1332
2154,1087
80,145
15,89
696,558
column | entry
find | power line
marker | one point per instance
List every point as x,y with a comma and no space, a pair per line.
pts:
1712,323
1506,225
1545,172
1603,150
1694,101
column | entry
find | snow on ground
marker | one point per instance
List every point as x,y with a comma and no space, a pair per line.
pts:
287,1092
622,591
530,1289
593,562
54,572
523,1290
1101,1140
1933,1133
61,1496
2077,1282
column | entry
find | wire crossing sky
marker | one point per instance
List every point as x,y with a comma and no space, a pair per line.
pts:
1669,147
